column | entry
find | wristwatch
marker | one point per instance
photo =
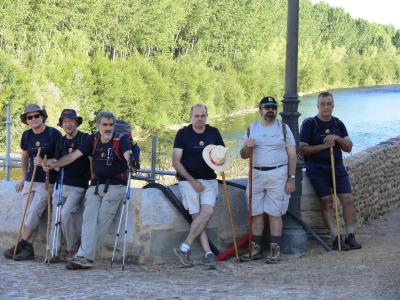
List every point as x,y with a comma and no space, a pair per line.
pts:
291,176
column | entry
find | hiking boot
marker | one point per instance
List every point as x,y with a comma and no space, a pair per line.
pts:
209,261
255,253
26,253
80,263
9,253
184,257
351,241
275,254
343,245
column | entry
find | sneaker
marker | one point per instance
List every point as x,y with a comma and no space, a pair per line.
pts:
343,245
209,261
184,257
80,263
9,253
255,253
351,241
26,253
275,254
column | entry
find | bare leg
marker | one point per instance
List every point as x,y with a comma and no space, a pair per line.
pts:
199,224
327,214
275,224
349,211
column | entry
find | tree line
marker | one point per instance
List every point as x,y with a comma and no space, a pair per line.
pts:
149,61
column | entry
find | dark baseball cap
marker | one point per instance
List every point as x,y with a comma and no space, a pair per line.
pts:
70,114
268,101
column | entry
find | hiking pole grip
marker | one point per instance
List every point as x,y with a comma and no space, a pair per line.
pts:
26,205
335,197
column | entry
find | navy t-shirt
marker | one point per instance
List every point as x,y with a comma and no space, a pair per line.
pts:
314,135
107,166
193,144
77,173
48,141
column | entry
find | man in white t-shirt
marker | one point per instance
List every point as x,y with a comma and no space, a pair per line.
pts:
274,165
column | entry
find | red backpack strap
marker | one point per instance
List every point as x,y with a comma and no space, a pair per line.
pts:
117,150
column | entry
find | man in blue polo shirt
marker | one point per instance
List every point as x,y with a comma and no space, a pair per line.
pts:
106,190
75,181
317,136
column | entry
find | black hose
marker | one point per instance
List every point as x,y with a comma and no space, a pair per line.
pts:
293,216
179,206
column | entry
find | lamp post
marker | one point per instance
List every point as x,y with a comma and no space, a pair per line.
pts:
294,239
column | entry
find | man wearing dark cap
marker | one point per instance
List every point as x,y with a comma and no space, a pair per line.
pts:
74,181
46,138
317,135
273,147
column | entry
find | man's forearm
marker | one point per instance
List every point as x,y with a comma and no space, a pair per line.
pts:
306,150
244,152
182,171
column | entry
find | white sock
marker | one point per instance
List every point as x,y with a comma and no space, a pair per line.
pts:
350,229
209,252
184,247
333,232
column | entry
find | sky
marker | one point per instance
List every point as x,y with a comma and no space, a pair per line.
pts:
378,11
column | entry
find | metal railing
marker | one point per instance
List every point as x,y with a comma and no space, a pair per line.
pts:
9,162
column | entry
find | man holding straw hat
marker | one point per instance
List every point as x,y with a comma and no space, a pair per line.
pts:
197,180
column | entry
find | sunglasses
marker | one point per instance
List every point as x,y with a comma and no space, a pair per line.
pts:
35,116
266,107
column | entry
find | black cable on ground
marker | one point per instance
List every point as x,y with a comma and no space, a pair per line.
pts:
296,218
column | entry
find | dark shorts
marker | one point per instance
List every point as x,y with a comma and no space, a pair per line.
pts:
320,176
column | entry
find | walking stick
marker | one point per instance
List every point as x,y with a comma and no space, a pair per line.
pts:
250,198
335,197
57,222
47,259
124,207
26,204
228,205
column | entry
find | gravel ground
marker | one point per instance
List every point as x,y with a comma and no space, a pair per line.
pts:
370,273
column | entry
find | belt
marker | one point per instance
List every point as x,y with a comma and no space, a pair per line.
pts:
268,168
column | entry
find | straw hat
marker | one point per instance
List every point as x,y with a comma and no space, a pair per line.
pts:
216,157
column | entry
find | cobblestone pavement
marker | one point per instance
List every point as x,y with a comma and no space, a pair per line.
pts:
370,273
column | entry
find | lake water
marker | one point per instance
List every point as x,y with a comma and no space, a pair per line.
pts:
371,115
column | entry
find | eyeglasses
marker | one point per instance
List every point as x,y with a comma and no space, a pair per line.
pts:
36,116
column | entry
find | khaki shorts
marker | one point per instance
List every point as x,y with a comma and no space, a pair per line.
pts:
37,204
192,200
269,194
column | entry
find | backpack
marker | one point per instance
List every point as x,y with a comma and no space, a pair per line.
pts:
122,128
315,126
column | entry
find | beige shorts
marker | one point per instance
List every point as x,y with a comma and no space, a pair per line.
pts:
192,200
37,204
269,194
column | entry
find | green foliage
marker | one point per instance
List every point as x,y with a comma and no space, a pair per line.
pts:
149,61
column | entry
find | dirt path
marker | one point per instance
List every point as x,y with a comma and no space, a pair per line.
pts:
370,273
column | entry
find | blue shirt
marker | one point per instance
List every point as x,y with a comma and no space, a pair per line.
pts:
48,141
313,131
77,173
107,166
193,144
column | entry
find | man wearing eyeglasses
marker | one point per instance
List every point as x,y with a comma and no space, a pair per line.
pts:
273,147
106,190
46,138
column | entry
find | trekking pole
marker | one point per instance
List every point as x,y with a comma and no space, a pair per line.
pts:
335,197
47,259
127,196
124,206
228,205
57,221
26,203
250,198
